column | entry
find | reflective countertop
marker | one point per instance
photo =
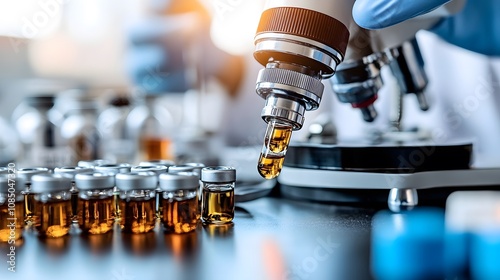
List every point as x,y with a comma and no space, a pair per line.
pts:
271,238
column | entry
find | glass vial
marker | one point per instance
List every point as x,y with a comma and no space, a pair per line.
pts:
70,172
158,170
11,208
164,162
24,175
96,207
116,144
52,204
193,168
39,132
78,129
179,202
137,201
94,163
218,194
150,124
114,169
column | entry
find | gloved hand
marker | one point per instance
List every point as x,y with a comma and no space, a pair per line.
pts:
476,27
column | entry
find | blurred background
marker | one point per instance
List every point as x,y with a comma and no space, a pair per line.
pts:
126,81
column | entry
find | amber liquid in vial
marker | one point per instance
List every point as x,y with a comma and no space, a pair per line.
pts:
137,216
96,216
154,148
6,219
273,152
218,206
29,206
52,219
74,205
180,216
116,203
270,166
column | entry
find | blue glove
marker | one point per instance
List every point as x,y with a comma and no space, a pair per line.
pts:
476,27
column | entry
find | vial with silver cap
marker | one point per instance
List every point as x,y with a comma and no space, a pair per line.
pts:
11,208
24,175
158,170
70,172
164,162
96,208
299,43
137,201
94,163
52,204
217,205
114,169
179,202
192,168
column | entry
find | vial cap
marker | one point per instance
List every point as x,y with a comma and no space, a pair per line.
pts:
181,168
164,162
71,171
136,181
175,182
5,185
218,174
25,174
95,180
41,183
113,168
157,169
94,163
197,167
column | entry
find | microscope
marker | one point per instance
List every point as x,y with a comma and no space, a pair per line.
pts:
301,43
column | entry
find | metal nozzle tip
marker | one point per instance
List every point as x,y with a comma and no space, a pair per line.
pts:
369,113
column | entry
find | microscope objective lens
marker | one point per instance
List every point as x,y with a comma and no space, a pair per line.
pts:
273,152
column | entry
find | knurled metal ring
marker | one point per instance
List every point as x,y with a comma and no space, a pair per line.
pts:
310,89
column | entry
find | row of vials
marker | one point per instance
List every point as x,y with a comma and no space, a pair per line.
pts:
95,195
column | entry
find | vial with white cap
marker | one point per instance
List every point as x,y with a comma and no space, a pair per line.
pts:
114,169
218,194
96,208
193,168
24,175
52,204
70,172
137,201
164,162
11,208
158,170
179,202
94,163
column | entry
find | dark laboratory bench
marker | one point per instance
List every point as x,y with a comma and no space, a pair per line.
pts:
271,238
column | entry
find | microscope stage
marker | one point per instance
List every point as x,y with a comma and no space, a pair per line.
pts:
334,179
366,174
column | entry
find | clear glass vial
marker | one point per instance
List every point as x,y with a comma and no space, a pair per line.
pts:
114,169
11,208
52,204
70,172
218,194
137,201
195,169
179,202
158,170
96,207
24,175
